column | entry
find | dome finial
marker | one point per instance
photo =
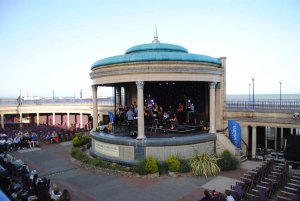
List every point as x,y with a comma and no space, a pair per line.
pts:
155,36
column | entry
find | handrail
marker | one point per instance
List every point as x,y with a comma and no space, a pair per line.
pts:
285,105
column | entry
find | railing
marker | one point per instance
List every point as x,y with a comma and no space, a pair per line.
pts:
102,101
268,105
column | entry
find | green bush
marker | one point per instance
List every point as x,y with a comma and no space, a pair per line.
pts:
184,166
140,167
81,139
204,165
173,164
228,161
151,165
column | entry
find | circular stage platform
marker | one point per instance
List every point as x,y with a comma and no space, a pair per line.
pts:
126,150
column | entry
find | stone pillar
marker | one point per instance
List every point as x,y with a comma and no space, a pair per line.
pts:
140,103
2,120
21,125
68,120
253,150
95,107
118,96
81,126
37,119
212,107
53,118
245,137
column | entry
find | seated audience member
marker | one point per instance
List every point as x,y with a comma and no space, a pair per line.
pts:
65,196
207,196
229,197
34,139
54,137
55,193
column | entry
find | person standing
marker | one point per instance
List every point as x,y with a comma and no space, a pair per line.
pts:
130,117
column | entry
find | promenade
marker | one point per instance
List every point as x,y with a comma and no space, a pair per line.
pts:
54,162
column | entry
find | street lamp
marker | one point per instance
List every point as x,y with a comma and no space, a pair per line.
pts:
280,82
253,90
249,94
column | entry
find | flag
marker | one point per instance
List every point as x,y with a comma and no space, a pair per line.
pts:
111,117
235,134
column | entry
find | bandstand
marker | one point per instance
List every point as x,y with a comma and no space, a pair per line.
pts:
167,74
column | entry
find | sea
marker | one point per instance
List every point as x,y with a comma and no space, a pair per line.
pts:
263,96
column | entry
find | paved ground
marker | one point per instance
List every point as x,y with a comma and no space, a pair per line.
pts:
86,185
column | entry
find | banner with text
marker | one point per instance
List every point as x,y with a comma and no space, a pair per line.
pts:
235,134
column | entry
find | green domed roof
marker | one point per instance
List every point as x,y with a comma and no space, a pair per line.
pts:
156,52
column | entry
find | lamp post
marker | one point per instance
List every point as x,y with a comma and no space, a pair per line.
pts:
280,82
253,90
249,94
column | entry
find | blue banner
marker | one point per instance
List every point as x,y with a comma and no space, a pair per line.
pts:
111,117
235,134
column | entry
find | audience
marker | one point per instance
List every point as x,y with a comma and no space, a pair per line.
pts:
16,180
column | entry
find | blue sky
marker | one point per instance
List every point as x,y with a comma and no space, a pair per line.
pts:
48,45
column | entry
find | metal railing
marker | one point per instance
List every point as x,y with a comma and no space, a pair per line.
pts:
267,105
15,102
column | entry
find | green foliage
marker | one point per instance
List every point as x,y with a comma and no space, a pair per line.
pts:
81,139
140,167
151,165
184,166
173,163
228,161
204,165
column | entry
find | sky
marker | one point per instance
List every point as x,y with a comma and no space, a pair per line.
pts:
49,46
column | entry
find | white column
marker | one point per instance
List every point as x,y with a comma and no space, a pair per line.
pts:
253,150
2,120
53,118
81,126
118,96
21,125
68,120
37,118
140,103
95,107
212,107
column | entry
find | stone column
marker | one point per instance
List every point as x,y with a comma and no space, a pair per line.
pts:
118,96
140,103
2,120
37,119
68,119
212,107
53,118
95,107
253,150
81,126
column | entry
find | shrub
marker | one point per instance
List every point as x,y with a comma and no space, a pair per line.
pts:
184,166
204,165
81,139
173,164
140,167
151,165
228,161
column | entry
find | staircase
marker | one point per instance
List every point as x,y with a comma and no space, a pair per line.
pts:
223,143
